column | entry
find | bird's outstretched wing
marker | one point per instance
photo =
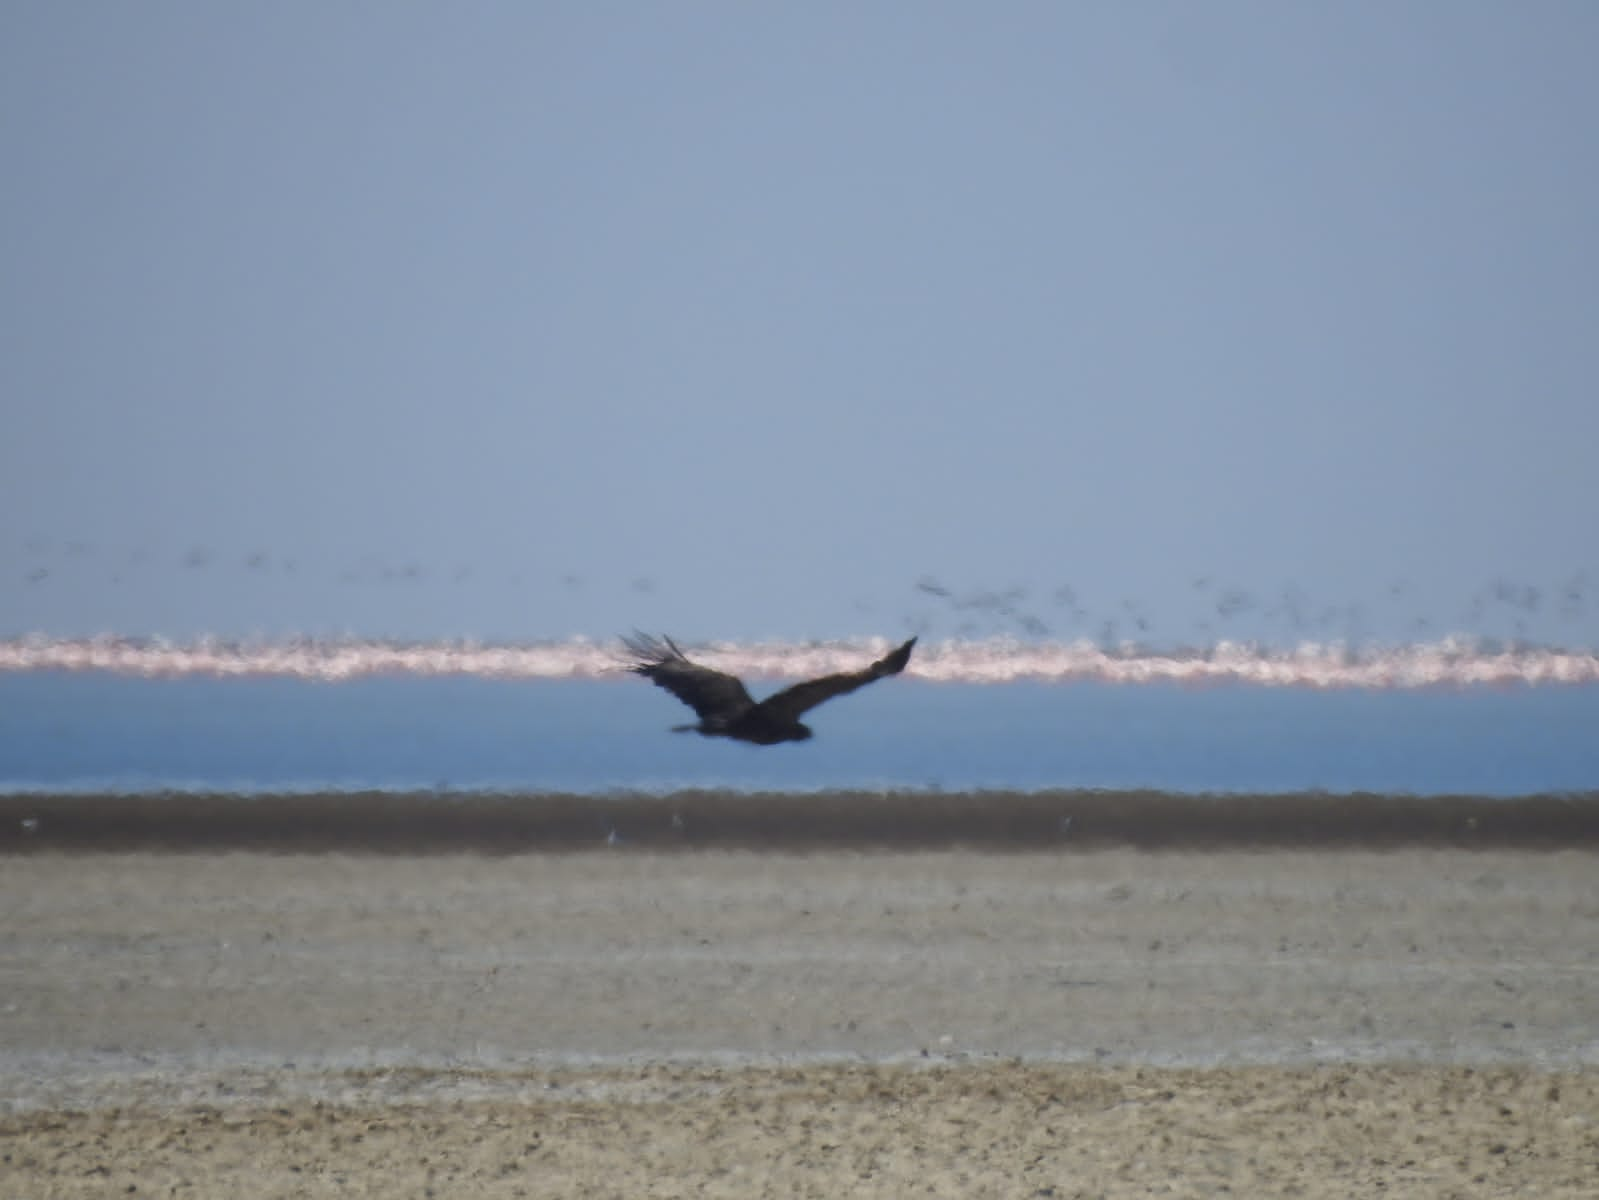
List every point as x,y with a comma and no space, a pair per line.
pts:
791,703
708,692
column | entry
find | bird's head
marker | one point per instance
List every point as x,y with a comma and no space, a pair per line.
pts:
803,733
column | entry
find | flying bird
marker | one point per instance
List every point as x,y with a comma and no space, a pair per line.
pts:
725,709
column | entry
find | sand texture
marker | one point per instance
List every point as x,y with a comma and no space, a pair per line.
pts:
633,1022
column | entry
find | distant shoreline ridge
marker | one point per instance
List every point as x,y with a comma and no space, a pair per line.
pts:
1455,661
1050,820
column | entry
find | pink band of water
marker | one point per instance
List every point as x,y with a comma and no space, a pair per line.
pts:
1450,662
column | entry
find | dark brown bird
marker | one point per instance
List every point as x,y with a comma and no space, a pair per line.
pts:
725,709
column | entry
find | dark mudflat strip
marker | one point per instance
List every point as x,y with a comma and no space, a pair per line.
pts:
446,822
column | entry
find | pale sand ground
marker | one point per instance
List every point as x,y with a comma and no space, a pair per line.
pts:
628,1023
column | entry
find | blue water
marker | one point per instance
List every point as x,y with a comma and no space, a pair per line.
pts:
90,731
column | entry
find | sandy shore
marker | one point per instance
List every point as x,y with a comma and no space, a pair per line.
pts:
829,1131
953,1023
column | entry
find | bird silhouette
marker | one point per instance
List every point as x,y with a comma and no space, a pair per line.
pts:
726,709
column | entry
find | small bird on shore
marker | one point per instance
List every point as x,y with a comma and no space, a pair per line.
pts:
726,709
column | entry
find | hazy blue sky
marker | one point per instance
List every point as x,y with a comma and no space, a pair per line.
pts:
521,320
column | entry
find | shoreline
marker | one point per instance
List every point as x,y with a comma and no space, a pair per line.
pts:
1061,820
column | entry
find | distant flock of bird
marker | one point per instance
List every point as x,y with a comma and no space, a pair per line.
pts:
1219,609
